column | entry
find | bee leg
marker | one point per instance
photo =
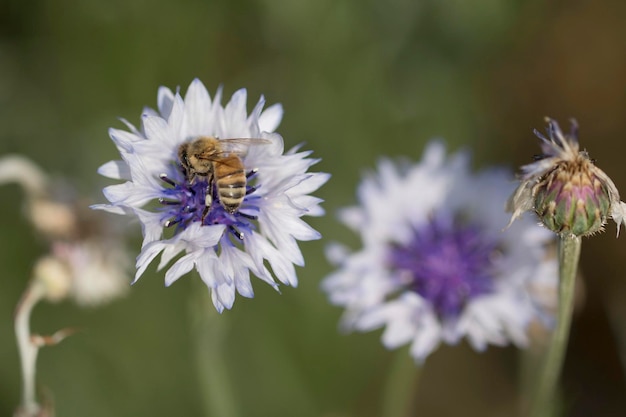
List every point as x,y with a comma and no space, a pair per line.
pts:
207,207
208,200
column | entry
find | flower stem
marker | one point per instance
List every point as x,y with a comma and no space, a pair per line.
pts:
209,331
569,253
27,350
400,389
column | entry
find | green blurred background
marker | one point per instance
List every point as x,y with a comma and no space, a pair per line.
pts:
358,79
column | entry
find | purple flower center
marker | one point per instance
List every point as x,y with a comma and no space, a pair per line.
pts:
447,262
185,203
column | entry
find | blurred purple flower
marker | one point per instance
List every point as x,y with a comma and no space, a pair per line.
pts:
435,264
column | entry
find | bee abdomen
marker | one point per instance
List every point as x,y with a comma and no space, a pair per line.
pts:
231,187
231,197
235,190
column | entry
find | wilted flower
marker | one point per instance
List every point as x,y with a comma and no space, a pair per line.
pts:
87,261
97,270
92,251
222,241
568,192
435,264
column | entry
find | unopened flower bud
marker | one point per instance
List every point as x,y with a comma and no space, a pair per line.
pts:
572,199
568,192
55,277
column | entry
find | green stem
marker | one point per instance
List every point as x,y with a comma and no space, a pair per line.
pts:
209,332
398,397
569,253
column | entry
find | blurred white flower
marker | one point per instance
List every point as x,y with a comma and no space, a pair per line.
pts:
91,272
224,246
436,265
98,270
87,261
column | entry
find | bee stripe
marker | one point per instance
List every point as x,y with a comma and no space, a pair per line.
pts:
232,192
231,183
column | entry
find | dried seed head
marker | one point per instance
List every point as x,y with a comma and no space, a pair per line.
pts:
568,192
571,199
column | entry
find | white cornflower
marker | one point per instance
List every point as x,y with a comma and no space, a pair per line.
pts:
436,265
166,189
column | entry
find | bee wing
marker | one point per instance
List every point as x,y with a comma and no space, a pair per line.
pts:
239,146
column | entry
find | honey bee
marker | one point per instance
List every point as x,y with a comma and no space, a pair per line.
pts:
219,161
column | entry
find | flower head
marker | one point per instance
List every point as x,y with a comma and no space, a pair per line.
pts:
435,264
227,208
87,261
565,189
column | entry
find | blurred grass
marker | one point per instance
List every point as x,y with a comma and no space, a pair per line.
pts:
358,79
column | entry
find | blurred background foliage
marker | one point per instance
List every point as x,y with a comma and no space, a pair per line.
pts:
358,79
